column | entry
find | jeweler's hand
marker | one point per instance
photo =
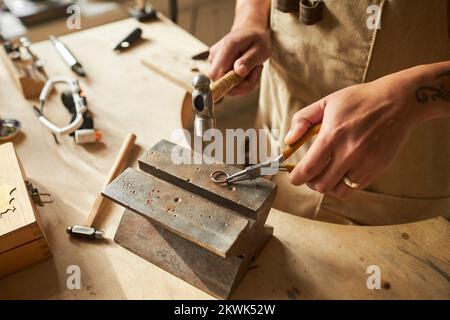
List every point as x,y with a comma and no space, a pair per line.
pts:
363,128
244,50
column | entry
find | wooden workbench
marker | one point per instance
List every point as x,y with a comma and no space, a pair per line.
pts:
305,259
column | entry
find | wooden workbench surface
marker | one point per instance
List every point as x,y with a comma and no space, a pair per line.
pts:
304,259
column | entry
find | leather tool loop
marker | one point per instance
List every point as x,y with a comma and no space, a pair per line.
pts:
288,5
311,12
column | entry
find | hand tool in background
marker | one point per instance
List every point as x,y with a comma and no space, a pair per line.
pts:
38,63
24,66
132,38
201,56
266,168
88,231
67,56
143,11
81,126
204,96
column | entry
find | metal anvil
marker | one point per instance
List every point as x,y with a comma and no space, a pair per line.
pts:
181,221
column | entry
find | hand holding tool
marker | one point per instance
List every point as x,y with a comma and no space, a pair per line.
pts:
269,167
67,56
205,95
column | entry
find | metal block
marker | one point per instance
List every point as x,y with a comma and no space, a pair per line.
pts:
187,214
250,198
209,272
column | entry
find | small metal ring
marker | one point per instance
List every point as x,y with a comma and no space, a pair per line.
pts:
215,174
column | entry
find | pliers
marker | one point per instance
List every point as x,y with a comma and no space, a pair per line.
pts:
271,166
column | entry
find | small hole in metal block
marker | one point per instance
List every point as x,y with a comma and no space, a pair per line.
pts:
231,188
209,217
174,215
188,180
198,168
177,199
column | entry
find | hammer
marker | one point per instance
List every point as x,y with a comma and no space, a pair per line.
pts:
87,231
204,96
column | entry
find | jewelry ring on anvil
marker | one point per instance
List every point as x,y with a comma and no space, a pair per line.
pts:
216,174
350,183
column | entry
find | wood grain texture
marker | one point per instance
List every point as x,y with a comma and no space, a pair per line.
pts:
11,176
221,87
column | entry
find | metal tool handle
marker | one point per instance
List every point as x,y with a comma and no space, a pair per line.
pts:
308,135
220,87
116,169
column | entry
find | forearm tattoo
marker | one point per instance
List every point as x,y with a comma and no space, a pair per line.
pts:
440,92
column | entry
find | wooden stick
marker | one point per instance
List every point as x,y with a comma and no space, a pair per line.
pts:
116,169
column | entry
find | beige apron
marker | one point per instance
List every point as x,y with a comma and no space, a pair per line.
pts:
310,62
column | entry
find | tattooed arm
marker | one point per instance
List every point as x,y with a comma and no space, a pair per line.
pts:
433,90
364,126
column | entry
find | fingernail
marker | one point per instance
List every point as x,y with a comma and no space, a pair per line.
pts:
288,135
242,69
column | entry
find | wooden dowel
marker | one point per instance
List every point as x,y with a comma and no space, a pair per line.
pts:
116,169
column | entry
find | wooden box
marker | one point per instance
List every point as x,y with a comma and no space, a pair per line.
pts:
22,242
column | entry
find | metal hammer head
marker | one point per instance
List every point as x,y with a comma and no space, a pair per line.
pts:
203,105
85,232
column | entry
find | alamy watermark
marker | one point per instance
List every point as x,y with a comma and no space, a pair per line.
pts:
74,279
234,147
73,22
374,19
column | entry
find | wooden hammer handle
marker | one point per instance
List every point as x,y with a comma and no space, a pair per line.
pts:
294,147
115,170
220,87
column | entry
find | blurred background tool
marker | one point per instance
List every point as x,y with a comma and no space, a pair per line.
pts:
143,11
24,66
67,56
31,12
129,40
